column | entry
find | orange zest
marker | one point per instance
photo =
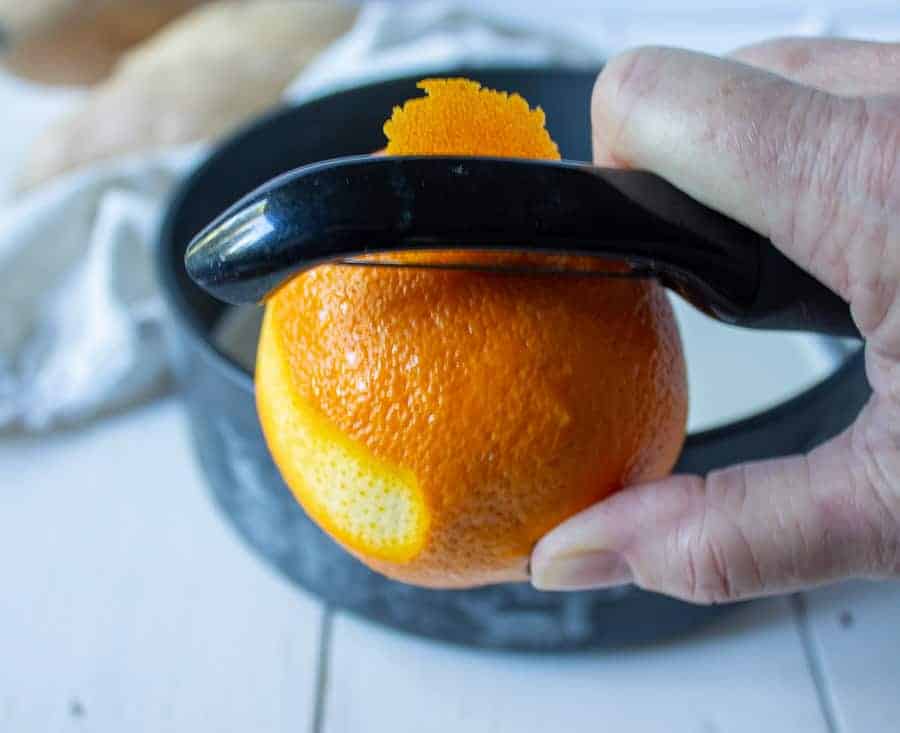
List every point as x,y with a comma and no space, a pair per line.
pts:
460,117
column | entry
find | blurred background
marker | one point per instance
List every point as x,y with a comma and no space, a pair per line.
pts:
127,601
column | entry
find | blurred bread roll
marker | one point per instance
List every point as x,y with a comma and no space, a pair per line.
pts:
77,41
198,79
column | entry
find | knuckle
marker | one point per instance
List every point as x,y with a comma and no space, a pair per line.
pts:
871,192
834,162
710,579
811,158
876,174
772,149
876,503
718,564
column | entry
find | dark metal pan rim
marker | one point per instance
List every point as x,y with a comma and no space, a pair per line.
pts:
186,317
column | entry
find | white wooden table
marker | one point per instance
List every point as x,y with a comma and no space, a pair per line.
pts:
128,604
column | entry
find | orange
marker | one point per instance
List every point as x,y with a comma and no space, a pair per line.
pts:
437,423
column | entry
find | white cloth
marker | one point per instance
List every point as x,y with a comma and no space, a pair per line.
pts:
80,315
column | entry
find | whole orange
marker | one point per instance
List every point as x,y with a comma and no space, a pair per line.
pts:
437,423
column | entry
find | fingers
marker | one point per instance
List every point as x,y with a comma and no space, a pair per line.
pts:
747,531
817,173
839,66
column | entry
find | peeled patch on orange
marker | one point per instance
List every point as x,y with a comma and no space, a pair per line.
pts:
437,423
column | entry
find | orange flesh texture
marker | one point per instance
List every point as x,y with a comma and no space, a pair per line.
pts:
492,406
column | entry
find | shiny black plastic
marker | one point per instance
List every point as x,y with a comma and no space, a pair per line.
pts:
337,209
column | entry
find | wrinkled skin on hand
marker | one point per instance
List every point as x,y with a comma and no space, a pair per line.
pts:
800,140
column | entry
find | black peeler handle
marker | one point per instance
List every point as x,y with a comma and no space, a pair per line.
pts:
348,207
790,299
784,296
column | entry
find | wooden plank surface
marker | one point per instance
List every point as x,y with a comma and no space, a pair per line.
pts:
747,674
128,604
855,632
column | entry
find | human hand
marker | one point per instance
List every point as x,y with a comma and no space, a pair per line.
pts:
804,147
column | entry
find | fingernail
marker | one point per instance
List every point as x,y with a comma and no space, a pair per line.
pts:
580,571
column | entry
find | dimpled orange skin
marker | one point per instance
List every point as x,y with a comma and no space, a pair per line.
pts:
513,401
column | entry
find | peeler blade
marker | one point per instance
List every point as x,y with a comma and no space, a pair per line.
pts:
499,265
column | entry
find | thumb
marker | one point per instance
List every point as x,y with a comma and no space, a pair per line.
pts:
750,530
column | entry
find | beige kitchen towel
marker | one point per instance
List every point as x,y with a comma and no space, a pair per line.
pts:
81,322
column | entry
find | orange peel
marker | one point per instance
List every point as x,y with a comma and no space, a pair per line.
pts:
437,423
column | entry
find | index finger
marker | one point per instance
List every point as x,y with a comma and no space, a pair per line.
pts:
803,167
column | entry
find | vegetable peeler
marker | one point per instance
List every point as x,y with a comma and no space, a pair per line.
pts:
340,211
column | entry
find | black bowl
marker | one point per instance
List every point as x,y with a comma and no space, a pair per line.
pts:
219,398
